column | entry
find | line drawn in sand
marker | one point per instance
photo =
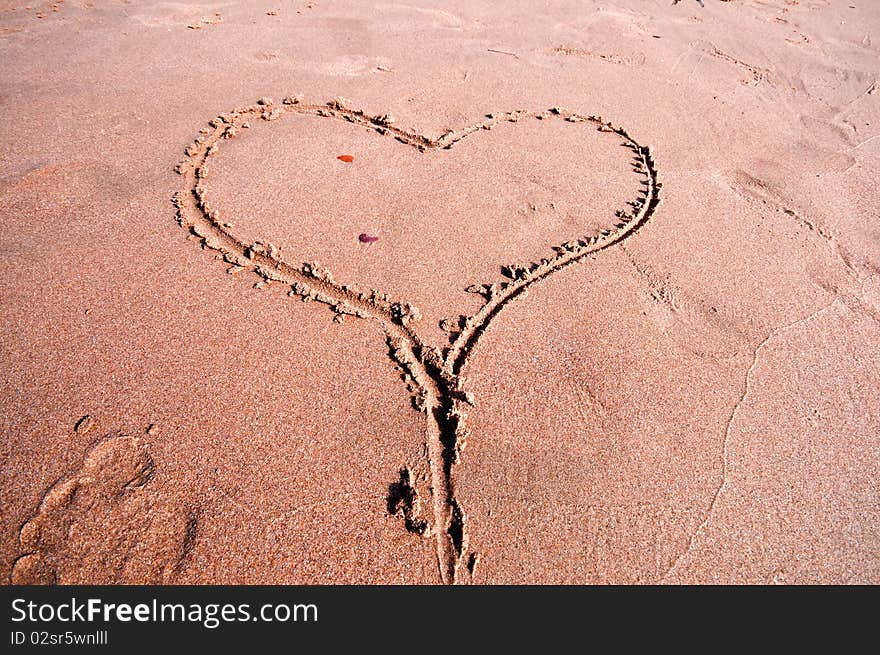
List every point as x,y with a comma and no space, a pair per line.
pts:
433,375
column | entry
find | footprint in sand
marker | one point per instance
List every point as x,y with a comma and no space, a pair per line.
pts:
104,524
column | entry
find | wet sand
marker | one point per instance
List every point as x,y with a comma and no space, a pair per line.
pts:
618,323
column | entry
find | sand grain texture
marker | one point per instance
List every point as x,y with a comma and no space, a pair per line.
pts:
683,392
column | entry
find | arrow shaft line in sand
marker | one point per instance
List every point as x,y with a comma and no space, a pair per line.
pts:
436,374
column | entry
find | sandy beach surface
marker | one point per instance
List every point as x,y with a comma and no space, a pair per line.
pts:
593,295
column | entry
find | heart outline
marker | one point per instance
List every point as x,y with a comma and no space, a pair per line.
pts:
435,373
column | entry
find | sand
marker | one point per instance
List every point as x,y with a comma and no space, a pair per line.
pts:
400,293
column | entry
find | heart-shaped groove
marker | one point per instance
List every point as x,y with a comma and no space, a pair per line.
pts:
432,374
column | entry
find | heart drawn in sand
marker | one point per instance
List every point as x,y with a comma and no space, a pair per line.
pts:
433,373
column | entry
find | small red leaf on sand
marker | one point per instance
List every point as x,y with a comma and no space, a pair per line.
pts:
367,238
346,158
